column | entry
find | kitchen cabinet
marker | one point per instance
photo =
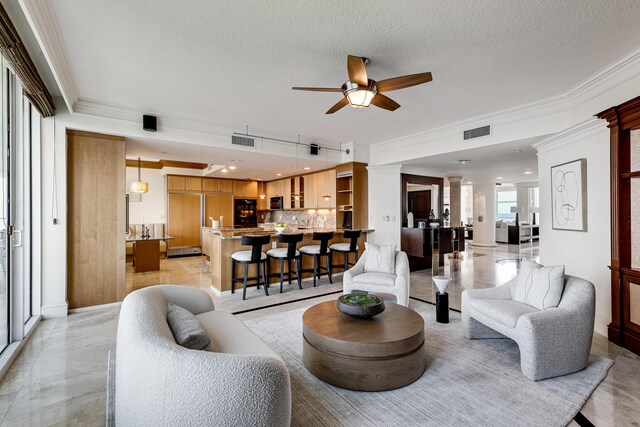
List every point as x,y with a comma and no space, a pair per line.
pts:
316,186
184,183
184,220
245,189
311,191
216,206
215,185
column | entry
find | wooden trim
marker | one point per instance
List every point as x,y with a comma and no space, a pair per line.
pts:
13,50
628,175
93,135
148,164
299,175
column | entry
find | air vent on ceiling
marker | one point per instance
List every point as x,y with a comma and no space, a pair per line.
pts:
244,141
477,132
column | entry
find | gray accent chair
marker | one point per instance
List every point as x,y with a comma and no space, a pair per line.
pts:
397,284
552,342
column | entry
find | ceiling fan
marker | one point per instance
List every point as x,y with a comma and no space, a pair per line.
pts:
360,91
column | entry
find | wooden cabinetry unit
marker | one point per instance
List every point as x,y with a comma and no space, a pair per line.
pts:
311,191
215,185
352,194
184,220
96,219
216,206
318,185
245,189
184,183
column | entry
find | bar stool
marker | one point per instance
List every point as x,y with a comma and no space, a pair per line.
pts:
286,254
254,256
318,251
346,248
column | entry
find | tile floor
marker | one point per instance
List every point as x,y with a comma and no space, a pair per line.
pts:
59,378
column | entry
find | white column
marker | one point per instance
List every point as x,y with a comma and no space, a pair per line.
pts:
385,204
484,215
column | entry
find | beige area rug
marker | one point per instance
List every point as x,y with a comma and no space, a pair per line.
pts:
467,382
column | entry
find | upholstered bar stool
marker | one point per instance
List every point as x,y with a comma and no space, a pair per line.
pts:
347,248
318,251
253,256
288,254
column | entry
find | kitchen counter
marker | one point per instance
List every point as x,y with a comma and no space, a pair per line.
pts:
219,244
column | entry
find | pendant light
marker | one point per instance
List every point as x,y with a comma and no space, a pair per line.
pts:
296,196
326,196
139,186
262,194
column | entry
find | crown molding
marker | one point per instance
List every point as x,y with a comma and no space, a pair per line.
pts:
613,75
45,28
576,132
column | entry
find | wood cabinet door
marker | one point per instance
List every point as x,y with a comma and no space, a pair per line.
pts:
184,219
193,183
216,206
225,186
209,185
176,183
286,193
271,189
239,188
311,191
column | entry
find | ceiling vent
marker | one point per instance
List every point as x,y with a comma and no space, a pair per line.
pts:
477,132
243,141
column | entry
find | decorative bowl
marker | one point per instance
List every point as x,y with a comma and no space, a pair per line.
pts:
280,227
360,305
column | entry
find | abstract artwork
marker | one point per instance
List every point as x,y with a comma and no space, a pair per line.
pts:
569,196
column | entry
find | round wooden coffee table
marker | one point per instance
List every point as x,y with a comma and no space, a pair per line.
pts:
380,353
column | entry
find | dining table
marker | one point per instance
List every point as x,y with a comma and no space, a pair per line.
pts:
146,251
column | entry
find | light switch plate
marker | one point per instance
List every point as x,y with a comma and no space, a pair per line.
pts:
274,245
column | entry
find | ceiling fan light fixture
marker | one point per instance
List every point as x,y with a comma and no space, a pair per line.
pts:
360,97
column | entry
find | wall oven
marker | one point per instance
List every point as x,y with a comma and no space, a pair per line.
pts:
245,213
277,203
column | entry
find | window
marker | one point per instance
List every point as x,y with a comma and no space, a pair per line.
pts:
505,200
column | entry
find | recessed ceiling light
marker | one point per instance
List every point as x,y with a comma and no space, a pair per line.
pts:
469,182
528,173
499,177
518,151
224,170
307,168
164,152
278,174
236,161
464,162
232,167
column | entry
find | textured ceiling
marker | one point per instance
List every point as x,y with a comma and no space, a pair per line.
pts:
232,63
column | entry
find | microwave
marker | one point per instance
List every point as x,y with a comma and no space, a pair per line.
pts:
277,203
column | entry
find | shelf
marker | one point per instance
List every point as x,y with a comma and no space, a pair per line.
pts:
345,191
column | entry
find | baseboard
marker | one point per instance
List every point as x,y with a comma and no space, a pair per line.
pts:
53,311
95,307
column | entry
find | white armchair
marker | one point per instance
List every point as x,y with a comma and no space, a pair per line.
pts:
553,342
396,284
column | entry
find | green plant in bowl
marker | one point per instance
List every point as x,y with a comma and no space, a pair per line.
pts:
360,300
360,305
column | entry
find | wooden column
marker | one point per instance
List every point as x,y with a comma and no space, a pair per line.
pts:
96,219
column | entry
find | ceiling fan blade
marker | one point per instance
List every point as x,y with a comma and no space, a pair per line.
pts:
385,102
319,89
403,81
338,106
357,70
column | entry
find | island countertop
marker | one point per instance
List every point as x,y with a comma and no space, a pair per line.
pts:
230,233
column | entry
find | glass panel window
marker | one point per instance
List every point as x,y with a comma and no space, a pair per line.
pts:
5,247
505,201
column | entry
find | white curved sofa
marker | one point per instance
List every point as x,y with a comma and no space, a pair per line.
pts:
241,382
397,284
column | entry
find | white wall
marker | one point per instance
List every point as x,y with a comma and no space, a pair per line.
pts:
152,208
385,210
584,254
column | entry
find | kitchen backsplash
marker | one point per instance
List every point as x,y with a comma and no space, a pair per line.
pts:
325,218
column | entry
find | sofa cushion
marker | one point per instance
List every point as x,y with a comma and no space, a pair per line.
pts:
539,286
506,312
186,329
380,258
383,279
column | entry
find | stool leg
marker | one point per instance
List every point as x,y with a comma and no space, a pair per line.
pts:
244,282
356,260
346,261
315,269
233,275
281,273
329,268
298,260
261,266
289,269
268,271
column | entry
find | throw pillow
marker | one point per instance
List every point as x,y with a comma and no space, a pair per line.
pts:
539,286
186,329
380,258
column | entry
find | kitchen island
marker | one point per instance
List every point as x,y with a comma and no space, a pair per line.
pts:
219,244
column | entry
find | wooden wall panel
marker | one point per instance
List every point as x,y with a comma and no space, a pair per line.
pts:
96,219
